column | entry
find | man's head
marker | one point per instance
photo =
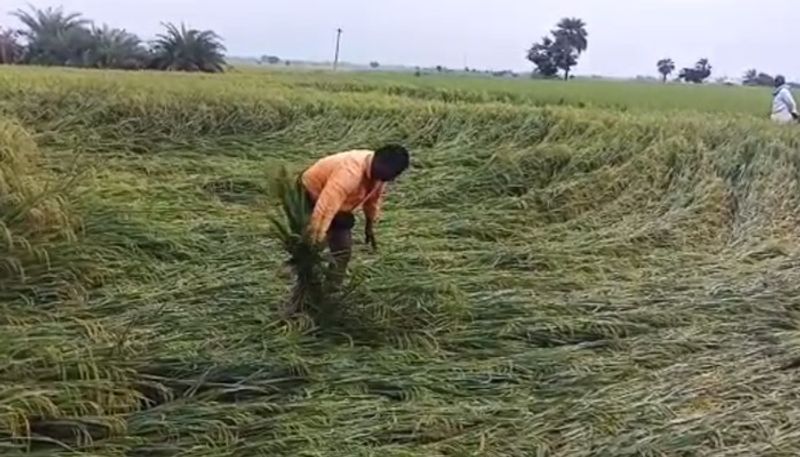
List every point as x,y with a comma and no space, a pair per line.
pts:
389,161
779,81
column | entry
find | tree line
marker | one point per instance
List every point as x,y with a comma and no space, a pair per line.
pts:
52,37
754,77
560,50
697,74
702,71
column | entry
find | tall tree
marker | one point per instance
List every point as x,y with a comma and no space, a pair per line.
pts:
573,31
698,74
565,56
560,50
541,55
11,50
703,66
116,48
665,67
54,37
182,49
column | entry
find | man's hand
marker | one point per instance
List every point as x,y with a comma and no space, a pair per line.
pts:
369,233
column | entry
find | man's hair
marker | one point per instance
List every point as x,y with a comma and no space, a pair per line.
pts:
394,156
780,80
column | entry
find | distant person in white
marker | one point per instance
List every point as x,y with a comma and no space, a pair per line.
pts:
784,108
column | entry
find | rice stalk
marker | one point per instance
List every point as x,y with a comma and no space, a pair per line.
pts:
305,257
571,269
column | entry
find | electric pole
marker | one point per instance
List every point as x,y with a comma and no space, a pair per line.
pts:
336,56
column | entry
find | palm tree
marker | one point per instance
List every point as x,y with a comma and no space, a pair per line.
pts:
665,67
573,32
10,49
53,36
564,55
703,68
181,49
116,48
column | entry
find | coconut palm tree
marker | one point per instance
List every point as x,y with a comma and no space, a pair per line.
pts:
11,50
116,48
182,49
703,68
665,67
565,56
54,37
703,65
573,32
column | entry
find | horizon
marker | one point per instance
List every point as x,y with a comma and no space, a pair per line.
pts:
735,36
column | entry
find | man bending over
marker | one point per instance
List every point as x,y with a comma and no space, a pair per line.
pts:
338,185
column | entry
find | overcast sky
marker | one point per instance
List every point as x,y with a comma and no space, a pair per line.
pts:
626,37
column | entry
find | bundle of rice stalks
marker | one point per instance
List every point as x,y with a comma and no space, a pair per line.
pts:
306,258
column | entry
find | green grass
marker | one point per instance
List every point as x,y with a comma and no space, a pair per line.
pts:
638,96
611,275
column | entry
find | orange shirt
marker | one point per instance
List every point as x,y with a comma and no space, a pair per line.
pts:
342,183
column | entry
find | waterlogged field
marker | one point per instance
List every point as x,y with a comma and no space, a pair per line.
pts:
581,269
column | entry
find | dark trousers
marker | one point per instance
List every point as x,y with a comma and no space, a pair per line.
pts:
340,241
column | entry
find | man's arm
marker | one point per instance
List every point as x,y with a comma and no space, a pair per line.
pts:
330,200
372,211
372,206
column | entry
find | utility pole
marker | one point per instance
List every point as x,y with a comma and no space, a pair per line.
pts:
336,56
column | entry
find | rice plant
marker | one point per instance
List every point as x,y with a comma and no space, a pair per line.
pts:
35,218
568,270
306,258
